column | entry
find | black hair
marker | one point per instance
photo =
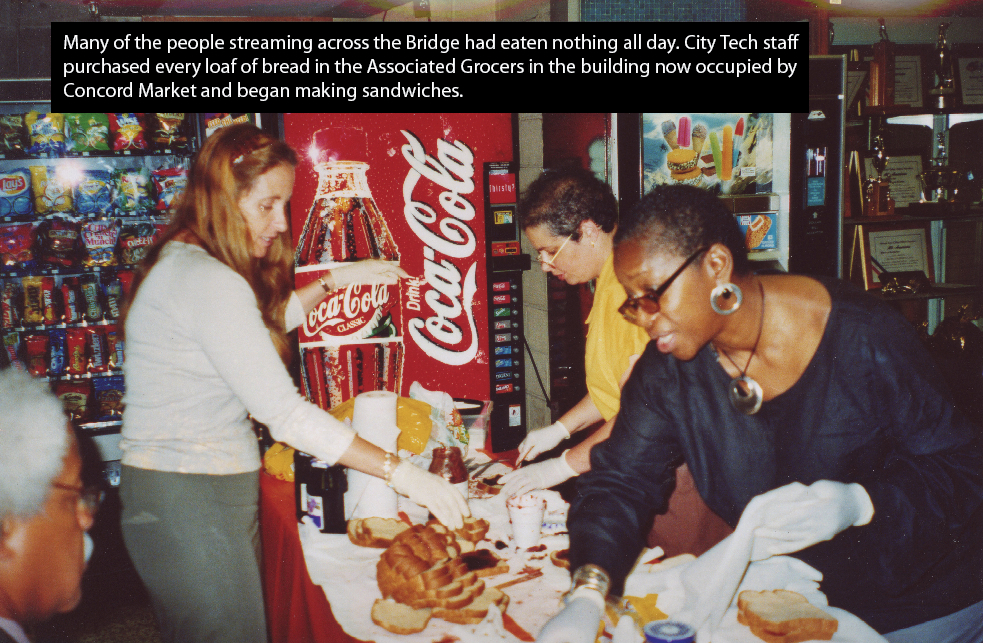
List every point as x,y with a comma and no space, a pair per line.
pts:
563,199
681,219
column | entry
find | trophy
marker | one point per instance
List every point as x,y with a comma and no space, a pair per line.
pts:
881,87
878,201
944,90
941,182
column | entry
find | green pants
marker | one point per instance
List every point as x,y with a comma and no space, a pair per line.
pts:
194,540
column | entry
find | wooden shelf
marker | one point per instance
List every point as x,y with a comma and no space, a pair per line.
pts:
975,213
938,291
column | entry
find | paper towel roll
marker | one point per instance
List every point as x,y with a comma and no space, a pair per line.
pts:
368,496
374,420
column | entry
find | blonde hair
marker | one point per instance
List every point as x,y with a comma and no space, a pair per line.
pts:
227,167
34,441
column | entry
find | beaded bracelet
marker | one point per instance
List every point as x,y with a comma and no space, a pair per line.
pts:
388,469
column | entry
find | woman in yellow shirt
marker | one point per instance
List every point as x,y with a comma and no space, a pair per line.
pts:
570,218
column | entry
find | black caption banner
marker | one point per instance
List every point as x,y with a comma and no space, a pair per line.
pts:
279,67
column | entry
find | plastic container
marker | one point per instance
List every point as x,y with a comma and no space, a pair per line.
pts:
669,632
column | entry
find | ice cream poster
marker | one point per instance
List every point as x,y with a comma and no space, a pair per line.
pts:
722,153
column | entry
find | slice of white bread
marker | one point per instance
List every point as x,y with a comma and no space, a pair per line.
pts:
399,618
782,616
483,562
459,593
375,532
477,610
473,531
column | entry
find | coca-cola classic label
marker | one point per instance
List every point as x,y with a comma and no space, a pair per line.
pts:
356,312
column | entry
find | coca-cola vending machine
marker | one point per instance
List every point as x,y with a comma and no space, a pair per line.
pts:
413,188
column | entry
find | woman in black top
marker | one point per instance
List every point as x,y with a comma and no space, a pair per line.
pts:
778,379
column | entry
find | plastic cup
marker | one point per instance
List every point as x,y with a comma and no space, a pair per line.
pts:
526,515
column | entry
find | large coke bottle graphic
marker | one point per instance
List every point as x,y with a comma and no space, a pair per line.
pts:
350,343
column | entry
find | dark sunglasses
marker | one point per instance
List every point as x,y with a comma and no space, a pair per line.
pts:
648,303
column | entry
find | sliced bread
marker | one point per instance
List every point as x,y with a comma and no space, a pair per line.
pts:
477,610
398,618
783,616
375,532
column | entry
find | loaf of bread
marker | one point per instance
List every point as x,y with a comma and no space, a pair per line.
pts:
426,569
782,616
375,532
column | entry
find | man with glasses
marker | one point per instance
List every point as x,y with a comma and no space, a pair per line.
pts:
45,511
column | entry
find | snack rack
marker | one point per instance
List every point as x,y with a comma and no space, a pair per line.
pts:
73,222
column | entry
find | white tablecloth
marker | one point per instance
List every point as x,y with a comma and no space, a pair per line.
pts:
347,573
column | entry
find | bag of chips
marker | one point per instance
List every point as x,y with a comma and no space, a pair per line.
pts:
93,193
109,398
127,132
169,182
12,133
15,193
52,192
18,245
76,397
131,190
99,242
47,133
169,132
135,239
59,241
86,132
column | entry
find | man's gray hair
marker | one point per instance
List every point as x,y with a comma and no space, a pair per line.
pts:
33,443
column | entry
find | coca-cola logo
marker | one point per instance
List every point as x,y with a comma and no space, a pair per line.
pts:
348,313
441,335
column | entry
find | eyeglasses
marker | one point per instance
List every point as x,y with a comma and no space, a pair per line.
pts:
90,498
649,302
549,262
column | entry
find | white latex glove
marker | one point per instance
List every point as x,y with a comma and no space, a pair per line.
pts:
367,271
540,440
577,622
433,492
795,516
541,475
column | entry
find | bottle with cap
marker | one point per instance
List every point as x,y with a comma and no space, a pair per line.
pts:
668,632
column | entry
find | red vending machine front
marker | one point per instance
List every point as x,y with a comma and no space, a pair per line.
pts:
406,187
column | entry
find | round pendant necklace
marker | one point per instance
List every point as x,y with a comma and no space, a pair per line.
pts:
745,394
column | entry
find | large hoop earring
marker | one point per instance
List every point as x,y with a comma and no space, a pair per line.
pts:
725,291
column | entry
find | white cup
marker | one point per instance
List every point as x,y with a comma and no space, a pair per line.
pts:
526,515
